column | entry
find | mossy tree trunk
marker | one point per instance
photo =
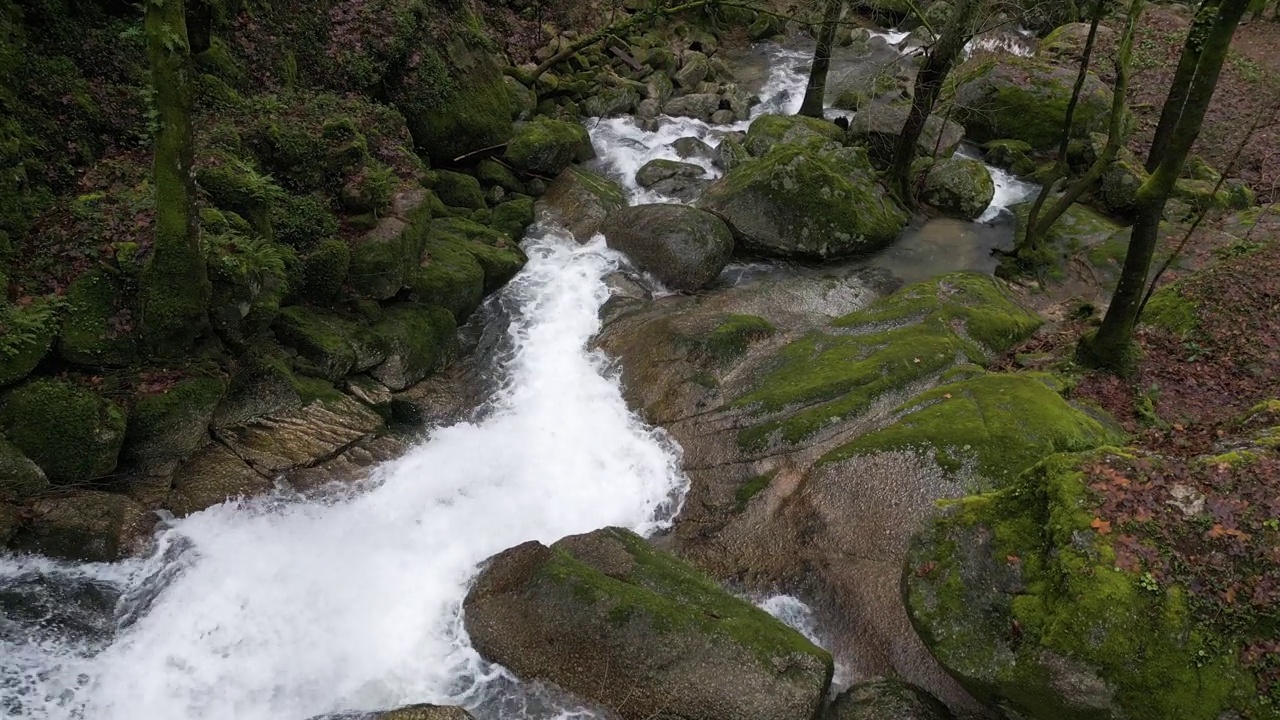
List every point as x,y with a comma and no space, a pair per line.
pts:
175,287
1038,225
815,92
1111,347
1201,25
937,65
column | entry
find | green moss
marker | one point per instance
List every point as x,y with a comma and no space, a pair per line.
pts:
960,186
249,281
237,186
302,221
26,334
325,269
19,477
546,147
751,488
73,434
513,217
670,595
732,337
913,335
768,131
322,341
492,173
1026,99
167,427
459,191
1169,310
450,276
1012,155
995,425
97,326
419,341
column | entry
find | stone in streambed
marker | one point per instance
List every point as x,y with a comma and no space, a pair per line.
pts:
656,171
607,617
959,186
685,248
579,200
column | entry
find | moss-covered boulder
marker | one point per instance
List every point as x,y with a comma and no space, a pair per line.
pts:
655,171
683,247
418,341
249,279
767,131
72,433
328,345
458,190
917,334
20,478
795,202
606,616
879,126
461,262
546,147
992,426
325,269
513,217
1065,45
455,101
98,325
302,221
579,200
87,526
959,186
1118,187
1026,99
26,335
1012,155
886,700
169,426
1020,595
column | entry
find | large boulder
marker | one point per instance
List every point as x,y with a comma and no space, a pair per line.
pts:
28,334
94,325
959,186
210,477
168,426
87,526
579,200
1036,600
461,262
418,341
20,478
544,146
655,171
696,105
457,102
683,247
1026,99
879,126
72,433
886,700
795,202
767,131
606,616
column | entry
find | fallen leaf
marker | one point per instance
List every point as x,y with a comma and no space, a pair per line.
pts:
947,396
1102,526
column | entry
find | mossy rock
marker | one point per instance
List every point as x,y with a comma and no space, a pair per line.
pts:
887,699
579,200
1206,195
1012,155
879,126
498,255
97,324
492,173
458,190
419,340
1088,639
1081,229
325,270
321,340
26,335
546,147
993,426
1170,311
734,336
1026,99
917,334
87,526
960,187
767,131
513,217
73,434
20,477
797,203
1118,187
235,185
168,427
449,277
302,221
640,631
249,279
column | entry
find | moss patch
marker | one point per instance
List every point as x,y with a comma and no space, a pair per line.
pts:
73,434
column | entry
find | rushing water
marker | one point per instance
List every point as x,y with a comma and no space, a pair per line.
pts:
284,608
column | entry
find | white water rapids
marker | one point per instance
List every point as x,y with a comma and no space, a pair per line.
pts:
286,608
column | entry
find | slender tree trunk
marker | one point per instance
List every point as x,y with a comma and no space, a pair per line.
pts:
816,92
1039,225
937,65
175,287
1031,239
1182,77
1110,348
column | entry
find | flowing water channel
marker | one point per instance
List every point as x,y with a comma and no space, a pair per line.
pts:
285,607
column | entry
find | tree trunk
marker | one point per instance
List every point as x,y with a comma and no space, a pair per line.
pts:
1039,225
1182,77
937,65
175,288
1110,348
1031,238
816,92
